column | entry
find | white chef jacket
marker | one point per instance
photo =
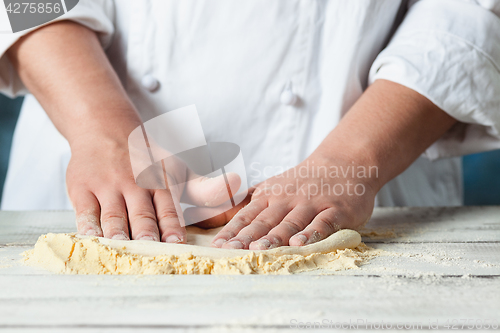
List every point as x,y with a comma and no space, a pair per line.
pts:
234,60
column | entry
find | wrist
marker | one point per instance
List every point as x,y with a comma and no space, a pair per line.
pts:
354,162
111,127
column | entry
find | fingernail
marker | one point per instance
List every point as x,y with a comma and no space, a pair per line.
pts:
120,237
173,239
302,239
234,245
91,232
219,242
147,238
263,244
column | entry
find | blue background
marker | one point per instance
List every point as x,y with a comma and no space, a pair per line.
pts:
481,171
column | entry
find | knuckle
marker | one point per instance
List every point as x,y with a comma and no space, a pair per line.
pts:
293,224
241,220
329,223
144,215
109,216
239,224
167,213
265,222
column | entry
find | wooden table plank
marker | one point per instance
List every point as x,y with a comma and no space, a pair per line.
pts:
243,300
24,227
435,224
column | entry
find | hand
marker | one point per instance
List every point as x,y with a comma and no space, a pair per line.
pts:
99,178
385,130
108,202
302,205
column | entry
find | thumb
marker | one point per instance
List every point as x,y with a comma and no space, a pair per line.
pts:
211,192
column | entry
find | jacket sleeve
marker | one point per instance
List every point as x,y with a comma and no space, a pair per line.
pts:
449,52
97,15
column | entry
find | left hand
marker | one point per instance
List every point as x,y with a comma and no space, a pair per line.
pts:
301,206
386,130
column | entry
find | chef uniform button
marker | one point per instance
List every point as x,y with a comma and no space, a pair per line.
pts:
288,97
150,82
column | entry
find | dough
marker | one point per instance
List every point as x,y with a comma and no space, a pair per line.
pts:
75,254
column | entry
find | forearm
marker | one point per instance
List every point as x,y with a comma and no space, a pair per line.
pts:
66,69
389,127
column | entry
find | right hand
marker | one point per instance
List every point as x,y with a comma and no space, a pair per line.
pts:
108,202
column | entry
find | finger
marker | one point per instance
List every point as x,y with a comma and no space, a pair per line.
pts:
114,222
260,226
170,224
294,222
87,211
211,192
141,215
323,225
243,218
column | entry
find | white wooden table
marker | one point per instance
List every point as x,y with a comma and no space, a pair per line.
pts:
447,273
